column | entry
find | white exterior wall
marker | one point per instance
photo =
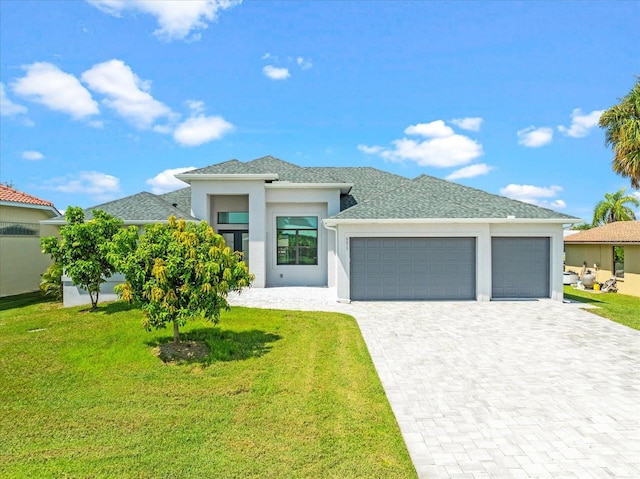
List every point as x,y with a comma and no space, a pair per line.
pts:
482,232
77,296
201,208
317,202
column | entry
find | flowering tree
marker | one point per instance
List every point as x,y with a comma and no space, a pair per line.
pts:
176,272
81,250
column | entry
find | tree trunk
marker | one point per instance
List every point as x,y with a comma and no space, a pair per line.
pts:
176,333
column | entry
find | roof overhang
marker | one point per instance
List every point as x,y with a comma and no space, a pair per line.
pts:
189,177
608,242
350,221
17,204
61,221
343,187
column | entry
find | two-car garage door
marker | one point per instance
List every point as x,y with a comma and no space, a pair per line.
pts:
413,268
445,268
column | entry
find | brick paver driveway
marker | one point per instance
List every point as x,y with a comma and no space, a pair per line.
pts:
500,389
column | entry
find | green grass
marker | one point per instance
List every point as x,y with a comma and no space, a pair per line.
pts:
283,394
621,308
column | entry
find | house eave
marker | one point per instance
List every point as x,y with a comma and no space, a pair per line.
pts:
17,204
343,187
608,242
61,221
346,221
189,177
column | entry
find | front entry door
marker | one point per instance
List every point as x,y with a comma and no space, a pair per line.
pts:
238,240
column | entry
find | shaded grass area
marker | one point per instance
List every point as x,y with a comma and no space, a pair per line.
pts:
282,394
621,308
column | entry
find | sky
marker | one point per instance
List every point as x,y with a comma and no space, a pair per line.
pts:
102,99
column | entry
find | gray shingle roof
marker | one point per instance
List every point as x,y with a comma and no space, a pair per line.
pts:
231,167
288,171
367,182
180,198
428,197
141,207
376,194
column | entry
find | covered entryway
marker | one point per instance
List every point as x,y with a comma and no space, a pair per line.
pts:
413,268
520,268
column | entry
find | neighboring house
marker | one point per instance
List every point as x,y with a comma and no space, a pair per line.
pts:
369,234
614,248
21,258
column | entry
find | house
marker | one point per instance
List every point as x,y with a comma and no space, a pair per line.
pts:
21,258
609,250
367,233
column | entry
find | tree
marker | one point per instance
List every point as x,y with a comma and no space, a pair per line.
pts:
51,282
622,131
176,272
613,208
81,249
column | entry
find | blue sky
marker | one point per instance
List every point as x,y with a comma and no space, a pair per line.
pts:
103,99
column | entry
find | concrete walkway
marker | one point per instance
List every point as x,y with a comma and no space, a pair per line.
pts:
500,389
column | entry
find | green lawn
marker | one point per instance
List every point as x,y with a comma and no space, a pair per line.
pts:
621,308
283,394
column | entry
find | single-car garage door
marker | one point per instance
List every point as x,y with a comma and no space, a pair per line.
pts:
413,268
520,268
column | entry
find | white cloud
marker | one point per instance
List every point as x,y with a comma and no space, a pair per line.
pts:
470,171
533,137
443,147
127,94
581,123
7,107
536,195
99,185
435,129
166,181
469,123
47,84
196,107
370,150
276,73
32,155
177,19
303,63
201,129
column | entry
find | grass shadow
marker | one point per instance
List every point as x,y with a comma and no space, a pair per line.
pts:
580,299
26,299
113,307
224,345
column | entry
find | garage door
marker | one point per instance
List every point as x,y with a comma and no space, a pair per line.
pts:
413,268
520,268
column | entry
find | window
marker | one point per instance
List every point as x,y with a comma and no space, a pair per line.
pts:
618,261
233,218
19,229
297,240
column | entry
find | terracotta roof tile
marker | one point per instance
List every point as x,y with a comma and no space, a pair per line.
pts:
617,232
15,196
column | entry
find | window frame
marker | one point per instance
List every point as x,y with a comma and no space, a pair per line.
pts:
615,256
298,248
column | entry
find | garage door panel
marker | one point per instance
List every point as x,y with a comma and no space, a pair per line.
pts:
520,267
413,268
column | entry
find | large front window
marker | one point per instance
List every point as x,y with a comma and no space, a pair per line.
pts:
297,240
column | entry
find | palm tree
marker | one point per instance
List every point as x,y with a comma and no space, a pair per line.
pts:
622,131
613,208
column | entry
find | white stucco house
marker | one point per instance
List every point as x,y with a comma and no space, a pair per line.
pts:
369,234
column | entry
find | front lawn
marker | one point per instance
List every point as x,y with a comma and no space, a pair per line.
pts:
621,308
282,394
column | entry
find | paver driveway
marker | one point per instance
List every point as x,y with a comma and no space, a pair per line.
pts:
500,389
